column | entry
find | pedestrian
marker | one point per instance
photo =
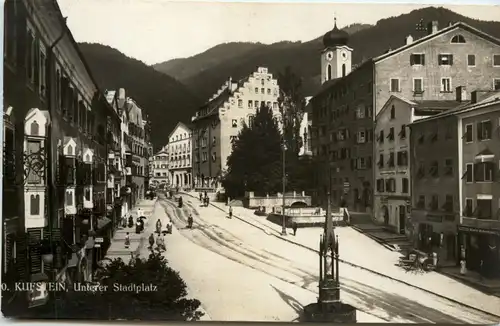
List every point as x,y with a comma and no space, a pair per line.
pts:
139,212
190,221
151,240
294,228
158,226
127,241
138,226
208,201
130,221
201,197
230,212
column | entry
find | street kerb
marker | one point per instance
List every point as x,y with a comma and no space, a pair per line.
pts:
359,266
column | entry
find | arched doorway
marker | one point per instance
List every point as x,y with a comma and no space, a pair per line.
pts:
385,214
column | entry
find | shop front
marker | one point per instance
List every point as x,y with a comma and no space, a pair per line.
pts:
482,253
436,233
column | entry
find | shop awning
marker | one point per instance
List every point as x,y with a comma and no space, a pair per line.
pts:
484,156
102,222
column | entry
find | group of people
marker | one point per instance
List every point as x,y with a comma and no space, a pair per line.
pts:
160,241
204,199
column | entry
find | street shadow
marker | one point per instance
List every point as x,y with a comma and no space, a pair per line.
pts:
290,301
396,306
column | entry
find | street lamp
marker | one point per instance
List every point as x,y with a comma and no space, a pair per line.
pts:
283,120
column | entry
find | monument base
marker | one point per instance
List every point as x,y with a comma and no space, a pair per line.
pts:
343,314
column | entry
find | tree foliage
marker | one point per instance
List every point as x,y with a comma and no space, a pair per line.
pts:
164,300
255,161
292,102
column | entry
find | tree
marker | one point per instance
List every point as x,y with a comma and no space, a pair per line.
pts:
292,102
255,161
117,299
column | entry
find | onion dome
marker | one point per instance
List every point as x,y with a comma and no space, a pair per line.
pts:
335,37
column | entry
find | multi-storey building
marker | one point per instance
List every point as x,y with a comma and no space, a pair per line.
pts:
179,150
344,108
443,184
55,151
391,152
218,122
160,165
479,190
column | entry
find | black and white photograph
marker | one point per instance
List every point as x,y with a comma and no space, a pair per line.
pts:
251,161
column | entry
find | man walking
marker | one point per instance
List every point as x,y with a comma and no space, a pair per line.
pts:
230,212
294,228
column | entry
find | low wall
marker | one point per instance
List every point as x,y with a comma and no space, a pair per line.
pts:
306,221
268,203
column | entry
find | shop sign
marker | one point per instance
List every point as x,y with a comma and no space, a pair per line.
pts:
476,230
99,240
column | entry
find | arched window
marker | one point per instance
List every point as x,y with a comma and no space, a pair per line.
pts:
34,128
69,198
35,205
70,150
343,70
458,39
328,72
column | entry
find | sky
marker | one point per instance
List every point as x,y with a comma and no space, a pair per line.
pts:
154,31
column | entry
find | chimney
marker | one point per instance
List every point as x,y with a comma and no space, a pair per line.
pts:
409,39
121,94
461,94
432,27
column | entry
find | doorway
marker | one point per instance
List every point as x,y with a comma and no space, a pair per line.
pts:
402,219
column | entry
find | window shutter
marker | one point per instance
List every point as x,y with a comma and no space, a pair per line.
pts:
34,251
451,59
412,59
479,129
22,256
422,58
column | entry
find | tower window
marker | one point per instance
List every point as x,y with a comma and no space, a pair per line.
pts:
458,39
343,70
328,72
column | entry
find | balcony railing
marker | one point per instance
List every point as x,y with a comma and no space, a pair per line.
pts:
481,223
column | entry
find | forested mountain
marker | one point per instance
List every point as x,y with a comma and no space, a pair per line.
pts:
165,100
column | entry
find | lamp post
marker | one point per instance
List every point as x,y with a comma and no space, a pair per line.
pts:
283,227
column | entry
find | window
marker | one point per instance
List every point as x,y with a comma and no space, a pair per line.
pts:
380,185
402,133
390,136
381,136
405,185
275,105
34,177
10,31
268,91
35,204
240,103
205,156
446,85
361,137
393,112
448,167
496,60
421,201
418,85
469,173
380,162
417,59
448,203
484,130
256,90
434,204
469,136
496,84
361,163
360,112
263,90
395,85
471,60
69,198
256,104
250,104
483,172
458,39
42,72
434,170
262,81
390,163
214,156
402,158
445,59
30,55
469,207
234,123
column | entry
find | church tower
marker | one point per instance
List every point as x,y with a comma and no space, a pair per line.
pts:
336,57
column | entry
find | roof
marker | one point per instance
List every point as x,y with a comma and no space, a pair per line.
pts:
437,104
327,85
436,34
466,107
179,124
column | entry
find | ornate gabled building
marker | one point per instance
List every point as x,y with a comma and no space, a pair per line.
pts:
55,152
179,149
220,119
160,168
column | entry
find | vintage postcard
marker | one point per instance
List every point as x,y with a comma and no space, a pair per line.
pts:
245,161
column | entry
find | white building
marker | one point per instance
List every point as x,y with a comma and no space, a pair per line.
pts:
179,150
305,129
392,154
159,167
221,118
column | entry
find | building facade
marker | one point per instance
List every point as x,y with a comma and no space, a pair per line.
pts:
392,200
180,151
479,191
56,124
218,122
425,69
159,164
